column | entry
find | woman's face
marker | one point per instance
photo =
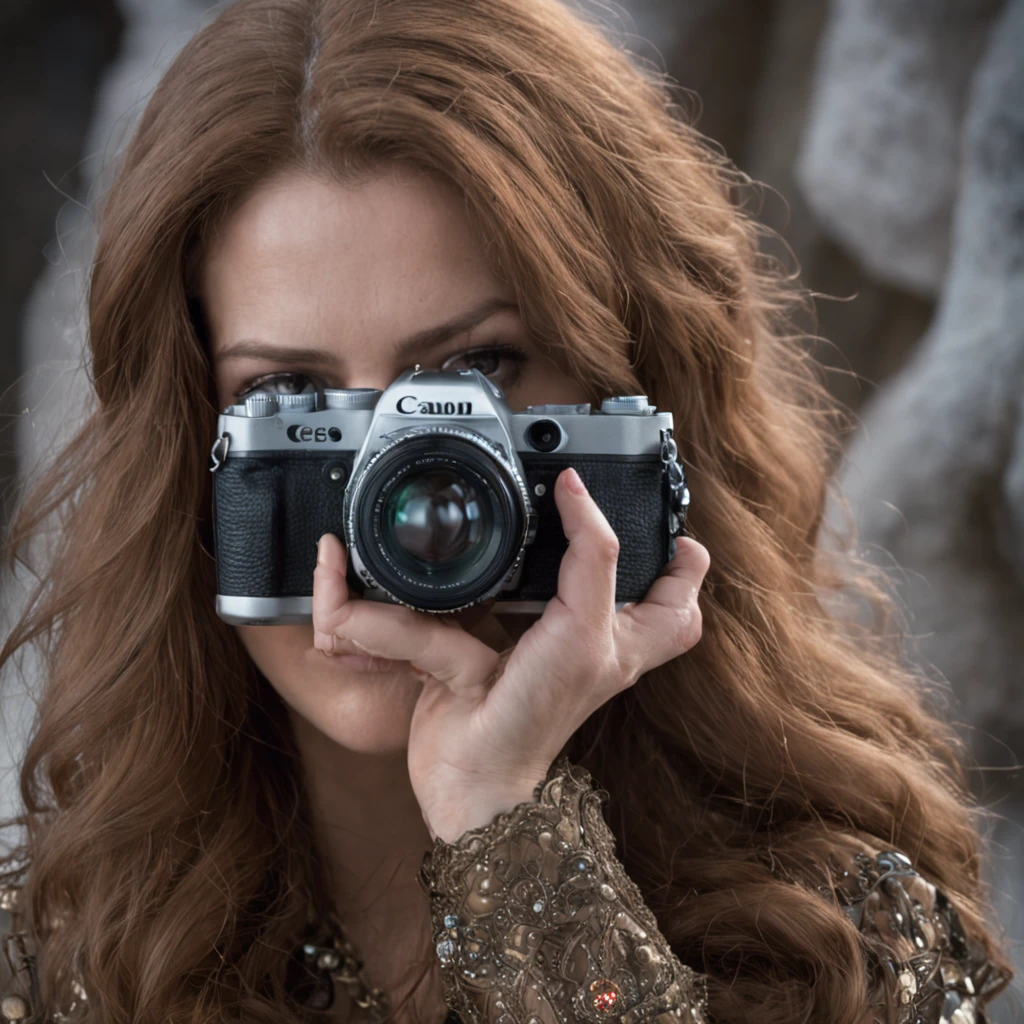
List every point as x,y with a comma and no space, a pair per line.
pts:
347,286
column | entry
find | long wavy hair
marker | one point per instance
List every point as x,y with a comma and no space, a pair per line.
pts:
165,822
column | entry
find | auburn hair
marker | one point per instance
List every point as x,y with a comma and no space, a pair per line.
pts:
165,821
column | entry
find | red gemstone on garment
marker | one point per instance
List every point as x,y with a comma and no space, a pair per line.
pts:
604,995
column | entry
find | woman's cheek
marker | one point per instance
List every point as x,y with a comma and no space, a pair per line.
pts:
367,712
272,648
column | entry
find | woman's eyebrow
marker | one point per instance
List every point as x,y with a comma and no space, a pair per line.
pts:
253,348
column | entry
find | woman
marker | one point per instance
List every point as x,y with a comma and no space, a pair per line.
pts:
383,810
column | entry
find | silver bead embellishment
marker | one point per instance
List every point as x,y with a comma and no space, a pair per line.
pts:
14,1008
328,960
908,987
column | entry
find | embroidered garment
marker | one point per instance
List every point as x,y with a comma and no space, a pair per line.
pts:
923,967
536,922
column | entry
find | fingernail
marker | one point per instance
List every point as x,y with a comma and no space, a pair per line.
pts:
322,557
574,483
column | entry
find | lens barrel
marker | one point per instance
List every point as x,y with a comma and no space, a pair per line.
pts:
437,520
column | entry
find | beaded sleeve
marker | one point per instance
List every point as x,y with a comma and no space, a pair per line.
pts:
19,982
922,967
536,922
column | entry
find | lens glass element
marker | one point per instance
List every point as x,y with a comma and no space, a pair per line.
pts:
439,518
438,521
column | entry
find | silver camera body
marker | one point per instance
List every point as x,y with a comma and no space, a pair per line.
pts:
441,493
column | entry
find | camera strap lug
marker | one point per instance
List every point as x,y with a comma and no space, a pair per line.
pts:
678,492
219,451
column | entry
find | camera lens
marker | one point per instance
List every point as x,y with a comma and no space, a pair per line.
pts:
438,516
543,435
438,522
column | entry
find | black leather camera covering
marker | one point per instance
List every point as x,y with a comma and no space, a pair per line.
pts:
270,510
629,490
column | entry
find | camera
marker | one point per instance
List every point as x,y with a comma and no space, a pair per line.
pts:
442,494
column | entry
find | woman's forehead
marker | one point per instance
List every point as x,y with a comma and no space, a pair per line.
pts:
377,260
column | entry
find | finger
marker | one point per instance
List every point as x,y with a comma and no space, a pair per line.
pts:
445,651
586,575
667,622
330,589
442,649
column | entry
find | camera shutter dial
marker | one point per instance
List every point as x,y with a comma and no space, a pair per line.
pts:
631,404
304,402
260,404
351,398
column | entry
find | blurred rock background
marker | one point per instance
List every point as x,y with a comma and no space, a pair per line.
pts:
890,137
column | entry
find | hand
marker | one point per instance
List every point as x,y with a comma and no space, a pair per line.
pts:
487,726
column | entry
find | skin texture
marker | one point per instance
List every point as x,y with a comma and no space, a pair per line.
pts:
410,725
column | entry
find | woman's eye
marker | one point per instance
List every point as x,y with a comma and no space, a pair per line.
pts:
503,363
290,384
